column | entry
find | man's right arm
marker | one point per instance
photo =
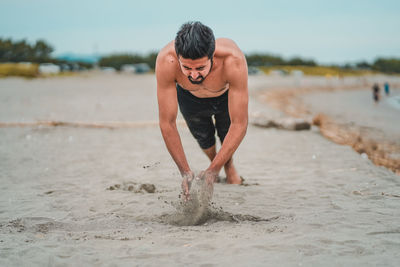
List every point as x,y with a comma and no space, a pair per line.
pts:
168,109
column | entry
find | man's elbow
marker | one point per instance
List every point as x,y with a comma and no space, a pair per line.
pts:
166,125
241,126
245,125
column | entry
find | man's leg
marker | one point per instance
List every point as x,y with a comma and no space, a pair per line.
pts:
232,177
210,152
222,123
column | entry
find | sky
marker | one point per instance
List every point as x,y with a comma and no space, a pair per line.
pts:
334,31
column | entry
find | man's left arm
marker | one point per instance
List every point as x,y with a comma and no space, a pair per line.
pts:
238,99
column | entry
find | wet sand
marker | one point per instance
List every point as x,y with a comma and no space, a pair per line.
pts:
358,107
345,112
308,201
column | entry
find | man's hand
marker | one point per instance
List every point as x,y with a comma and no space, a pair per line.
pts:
209,177
186,183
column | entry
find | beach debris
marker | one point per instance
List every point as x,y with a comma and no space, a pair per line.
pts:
390,195
151,165
293,124
133,187
149,188
286,123
113,187
223,180
263,122
368,142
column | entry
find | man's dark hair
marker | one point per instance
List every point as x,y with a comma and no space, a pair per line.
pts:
194,40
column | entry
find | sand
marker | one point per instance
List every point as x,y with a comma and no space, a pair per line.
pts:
308,201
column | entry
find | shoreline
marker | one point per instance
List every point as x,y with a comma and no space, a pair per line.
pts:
364,140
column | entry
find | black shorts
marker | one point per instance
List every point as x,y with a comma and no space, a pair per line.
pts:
199,112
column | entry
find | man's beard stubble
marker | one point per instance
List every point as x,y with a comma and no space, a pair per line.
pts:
201,79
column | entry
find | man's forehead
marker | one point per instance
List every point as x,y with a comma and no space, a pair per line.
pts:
194,62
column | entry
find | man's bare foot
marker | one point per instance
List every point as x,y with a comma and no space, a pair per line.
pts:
232,177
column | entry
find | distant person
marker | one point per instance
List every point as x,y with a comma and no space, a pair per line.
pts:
207,79
387,89
375,92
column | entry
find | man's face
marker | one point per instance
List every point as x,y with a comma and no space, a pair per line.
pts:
195,69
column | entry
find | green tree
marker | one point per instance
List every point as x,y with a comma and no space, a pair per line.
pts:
388,65
297,61
117,60
263,60
22,51
363,65
41,51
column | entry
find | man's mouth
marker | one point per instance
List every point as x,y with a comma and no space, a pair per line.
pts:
199,79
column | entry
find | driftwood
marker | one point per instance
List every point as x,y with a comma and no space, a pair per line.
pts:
379,152
292,124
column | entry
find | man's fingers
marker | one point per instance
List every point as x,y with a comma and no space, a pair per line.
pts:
185,189
186,194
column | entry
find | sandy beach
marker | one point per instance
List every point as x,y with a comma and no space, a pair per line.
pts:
79,196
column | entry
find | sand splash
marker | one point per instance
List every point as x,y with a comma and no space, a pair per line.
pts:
194,211
199,209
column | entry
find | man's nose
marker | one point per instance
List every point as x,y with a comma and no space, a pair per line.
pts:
194,75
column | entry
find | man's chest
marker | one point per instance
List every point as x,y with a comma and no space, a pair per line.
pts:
212,86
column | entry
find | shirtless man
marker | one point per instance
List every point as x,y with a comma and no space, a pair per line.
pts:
206,78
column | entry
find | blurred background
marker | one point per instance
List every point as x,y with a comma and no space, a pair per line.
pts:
339,36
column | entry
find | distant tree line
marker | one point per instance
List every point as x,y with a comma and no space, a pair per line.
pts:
20,51
386,65
40,52
118,60
267,60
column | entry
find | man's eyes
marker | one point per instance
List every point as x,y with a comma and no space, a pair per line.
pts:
187,68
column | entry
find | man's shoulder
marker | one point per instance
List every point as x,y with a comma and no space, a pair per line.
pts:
226,42
233,58
166,58
228,45
229,51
